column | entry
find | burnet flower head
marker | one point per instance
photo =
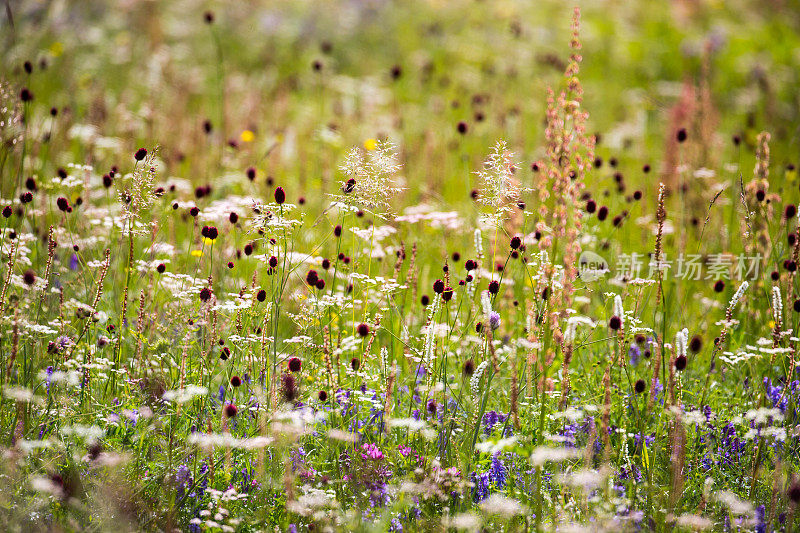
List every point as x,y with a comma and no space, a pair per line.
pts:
369,177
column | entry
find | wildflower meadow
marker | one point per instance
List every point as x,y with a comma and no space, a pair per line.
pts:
376,266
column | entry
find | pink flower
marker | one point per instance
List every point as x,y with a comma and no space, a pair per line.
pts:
370,451
404,450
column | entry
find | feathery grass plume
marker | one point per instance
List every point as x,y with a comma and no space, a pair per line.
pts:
412,282
12,259
370,178
777,316
51,250
499,188
758,200
678,459
98,293
791,290
373,331
137,190
326,355
487,331
661,217
141,365
182,371
570,153
401,256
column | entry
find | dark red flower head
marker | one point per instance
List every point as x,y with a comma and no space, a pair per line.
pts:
494,287
447,294
231,410
363,329
140,154
289,387
295,364
280,195
469,367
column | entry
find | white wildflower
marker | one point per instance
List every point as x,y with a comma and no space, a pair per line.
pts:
738,295
498,504
475,380
777,305
544,454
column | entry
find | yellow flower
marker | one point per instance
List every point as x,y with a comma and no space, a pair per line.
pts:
56,49
771,324
247,136
207,241
197,253
370,144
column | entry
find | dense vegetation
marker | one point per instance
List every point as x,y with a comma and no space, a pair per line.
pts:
413,266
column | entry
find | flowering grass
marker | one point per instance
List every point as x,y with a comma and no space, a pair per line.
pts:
399,267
